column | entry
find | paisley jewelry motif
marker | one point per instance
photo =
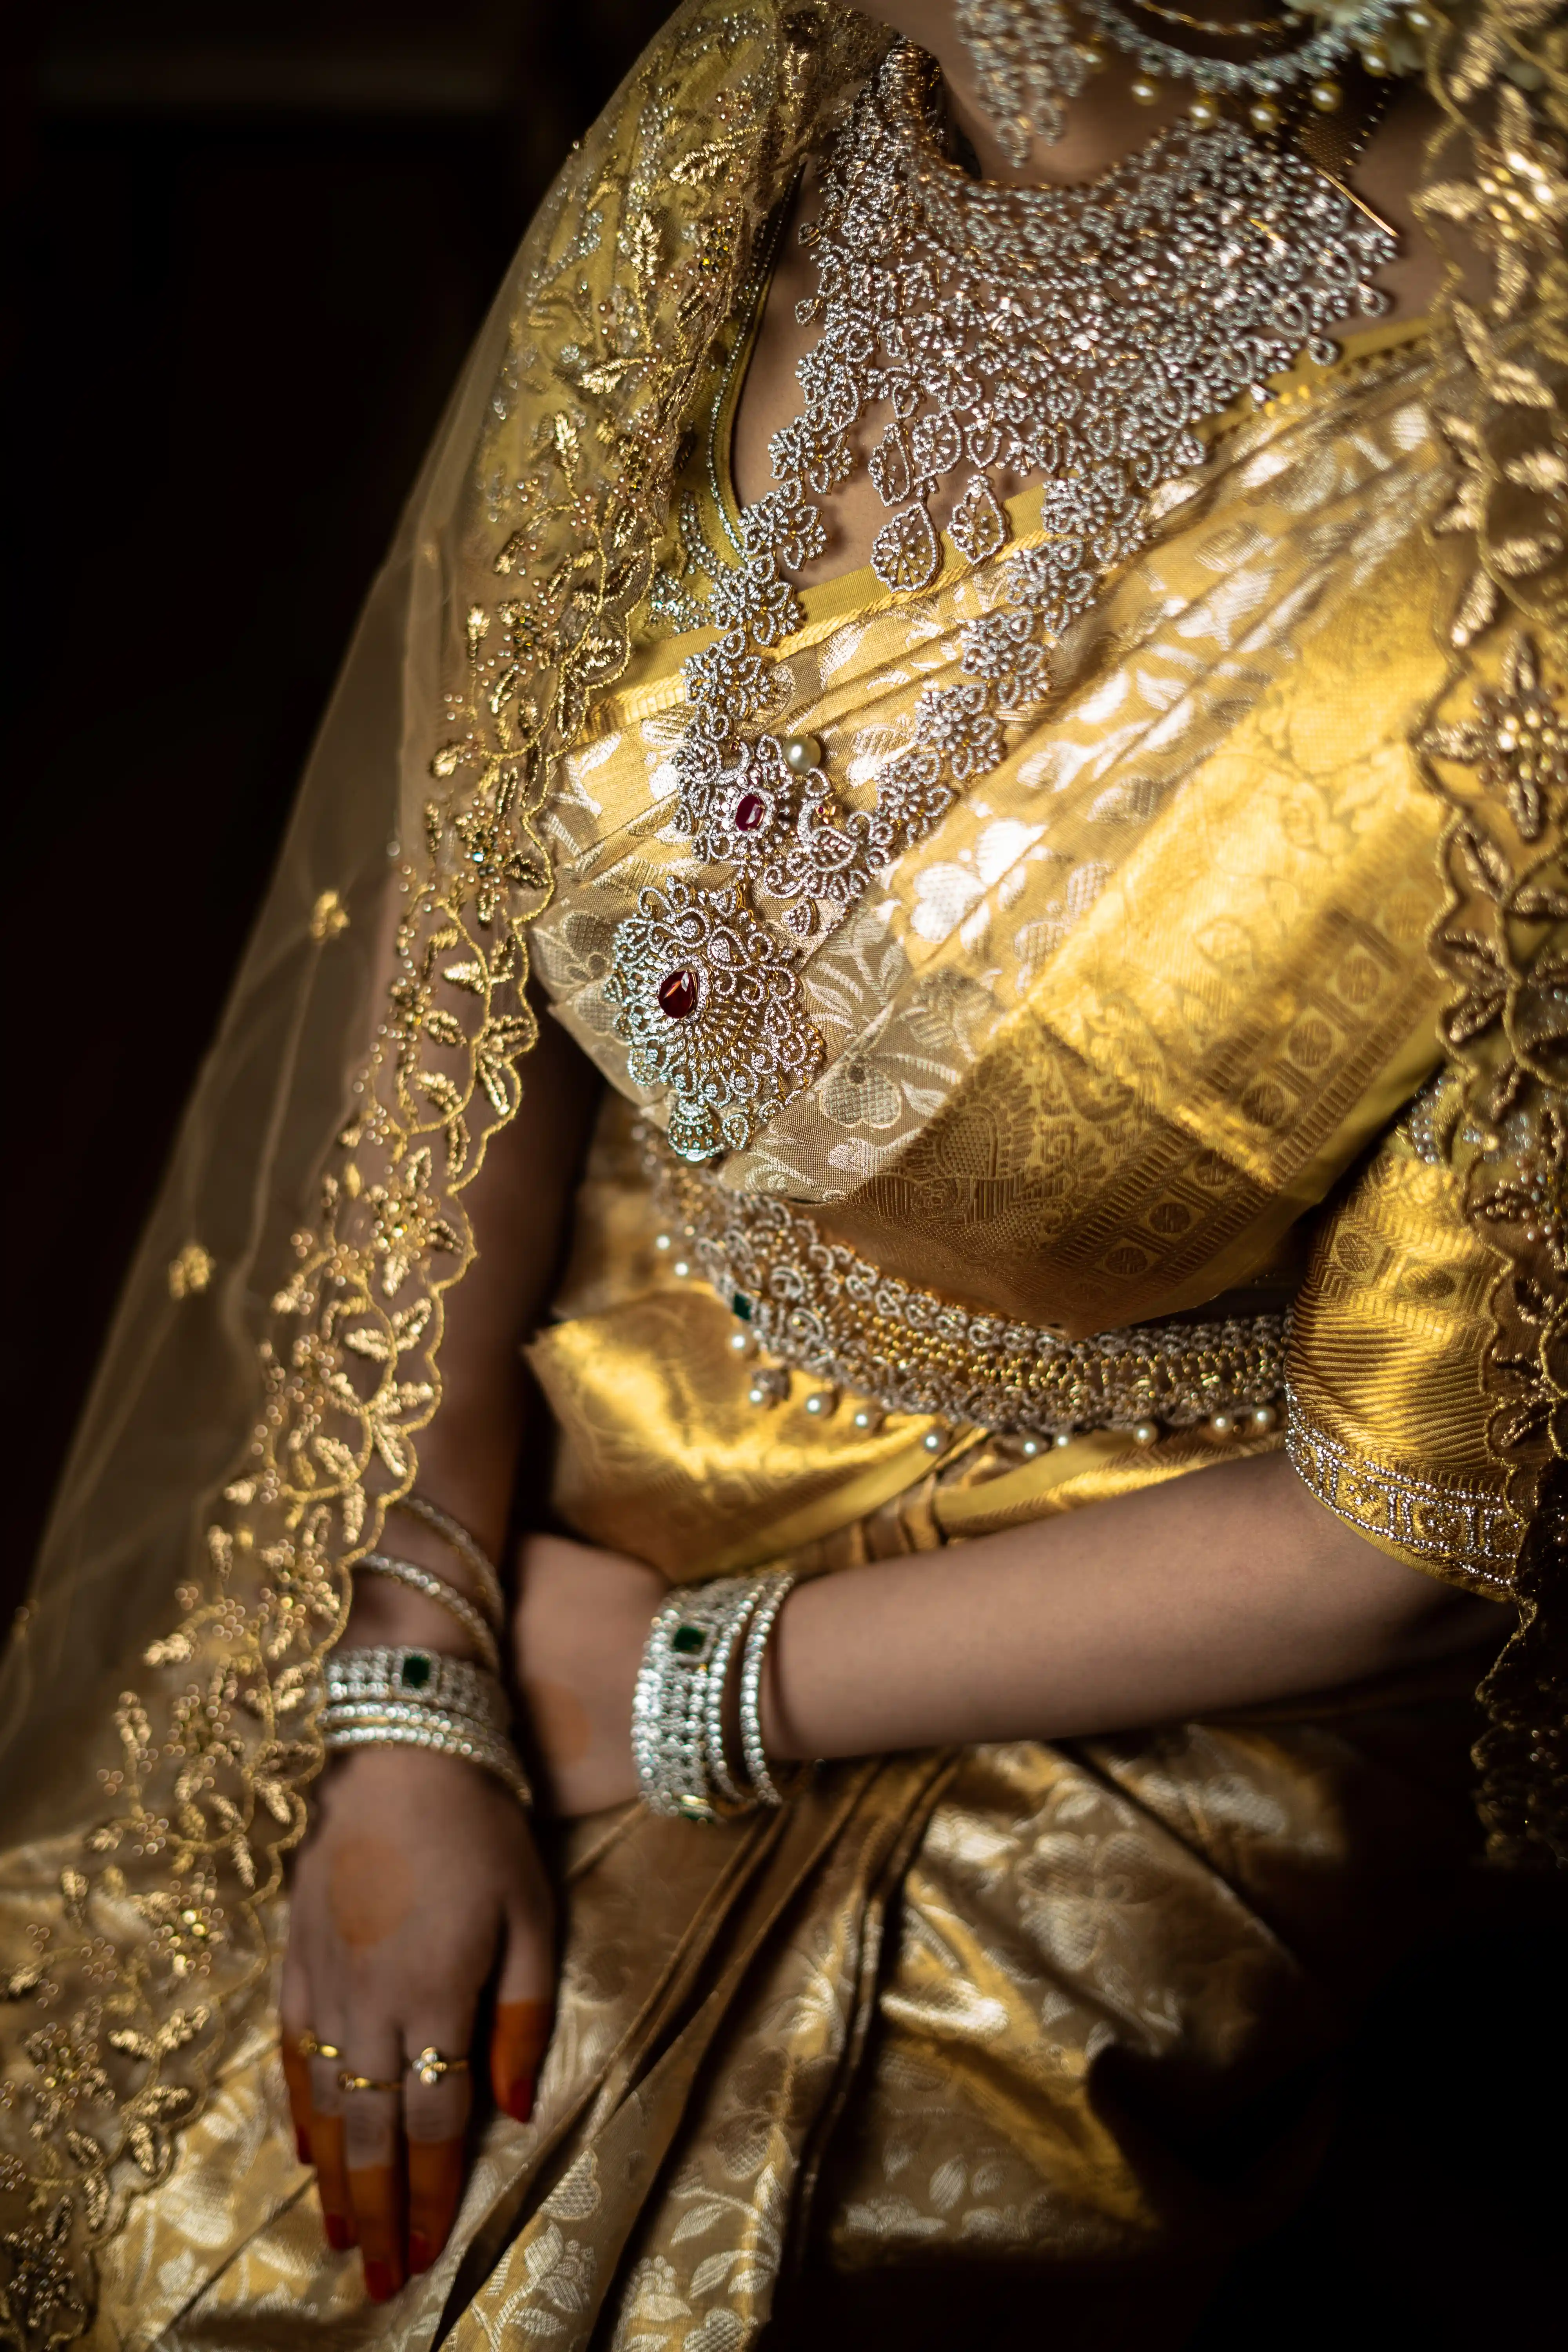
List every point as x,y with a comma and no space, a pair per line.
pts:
706,995
998,333
1026,63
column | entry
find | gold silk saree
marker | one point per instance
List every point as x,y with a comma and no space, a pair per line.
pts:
1231,987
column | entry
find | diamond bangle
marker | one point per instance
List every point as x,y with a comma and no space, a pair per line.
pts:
401,1676
764,1617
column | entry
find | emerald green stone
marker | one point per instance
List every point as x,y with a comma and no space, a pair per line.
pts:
416,1671
688,1638
742,1306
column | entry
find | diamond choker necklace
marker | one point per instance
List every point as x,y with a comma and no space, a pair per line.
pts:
972,334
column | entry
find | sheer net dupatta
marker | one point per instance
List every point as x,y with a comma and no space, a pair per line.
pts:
277,1351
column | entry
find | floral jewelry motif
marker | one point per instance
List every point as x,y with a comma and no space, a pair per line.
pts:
1077,333
707,996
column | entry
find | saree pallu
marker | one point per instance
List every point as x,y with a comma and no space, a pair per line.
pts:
1160,1019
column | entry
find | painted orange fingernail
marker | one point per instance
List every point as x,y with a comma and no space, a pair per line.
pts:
522,2031
421,2252
378,2282
340,2232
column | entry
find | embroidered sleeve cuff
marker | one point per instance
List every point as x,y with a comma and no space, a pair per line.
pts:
1462,1534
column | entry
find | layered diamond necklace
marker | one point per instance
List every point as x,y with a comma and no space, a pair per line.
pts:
981,332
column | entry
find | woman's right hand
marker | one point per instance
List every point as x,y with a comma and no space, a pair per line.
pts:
417,1889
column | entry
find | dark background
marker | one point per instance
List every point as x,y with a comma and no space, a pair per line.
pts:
248,244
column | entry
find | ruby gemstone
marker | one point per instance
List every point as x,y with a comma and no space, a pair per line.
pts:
749,810
678,993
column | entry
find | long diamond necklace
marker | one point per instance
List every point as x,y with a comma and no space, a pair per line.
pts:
992,332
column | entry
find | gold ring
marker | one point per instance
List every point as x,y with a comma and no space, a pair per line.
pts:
308,2047
430,2066
366,2082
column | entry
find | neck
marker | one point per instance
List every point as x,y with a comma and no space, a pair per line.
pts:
1101,125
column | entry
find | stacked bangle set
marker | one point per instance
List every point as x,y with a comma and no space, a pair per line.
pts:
407,1697
705,1640
684,1766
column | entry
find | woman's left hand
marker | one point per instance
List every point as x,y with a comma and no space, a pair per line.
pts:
579,1626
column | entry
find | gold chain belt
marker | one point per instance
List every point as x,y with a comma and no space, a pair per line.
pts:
815,1306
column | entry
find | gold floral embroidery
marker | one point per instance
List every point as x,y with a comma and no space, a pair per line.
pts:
190,1272
329,917
1497,199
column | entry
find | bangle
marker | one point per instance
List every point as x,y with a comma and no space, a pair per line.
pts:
716,1691
442,1735
446,1596
752,1661
473,1556
398,1675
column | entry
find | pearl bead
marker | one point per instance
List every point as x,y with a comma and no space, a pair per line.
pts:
1030,1448
681,1269
934,1440
741,1342
801,753
1263,1418
1062,1437
757,1395
1326,95
820,1401
1204,111
1218,1427
1419,19
1145,1433
1376,57
865,1418
663,1240
1147,89
1264,115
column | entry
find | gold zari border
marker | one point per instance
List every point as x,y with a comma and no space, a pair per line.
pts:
1469,1532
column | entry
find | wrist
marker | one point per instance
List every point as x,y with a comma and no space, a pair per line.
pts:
385,1614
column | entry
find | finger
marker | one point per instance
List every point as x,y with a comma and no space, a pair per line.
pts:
436,2169
522,2014
435,2102
377,2192
328,2150
294,2018
373,2145
297,2077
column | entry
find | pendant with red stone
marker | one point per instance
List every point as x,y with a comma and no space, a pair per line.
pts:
707,997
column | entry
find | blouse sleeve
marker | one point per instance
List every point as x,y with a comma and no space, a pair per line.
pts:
1387,1417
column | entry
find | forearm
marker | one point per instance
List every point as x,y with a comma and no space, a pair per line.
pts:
469,1454
1224,1589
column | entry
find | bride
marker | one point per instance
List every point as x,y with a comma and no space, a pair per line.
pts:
773,1597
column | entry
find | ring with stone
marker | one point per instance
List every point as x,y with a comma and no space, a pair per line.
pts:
310,2047
430,2066
366,2082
